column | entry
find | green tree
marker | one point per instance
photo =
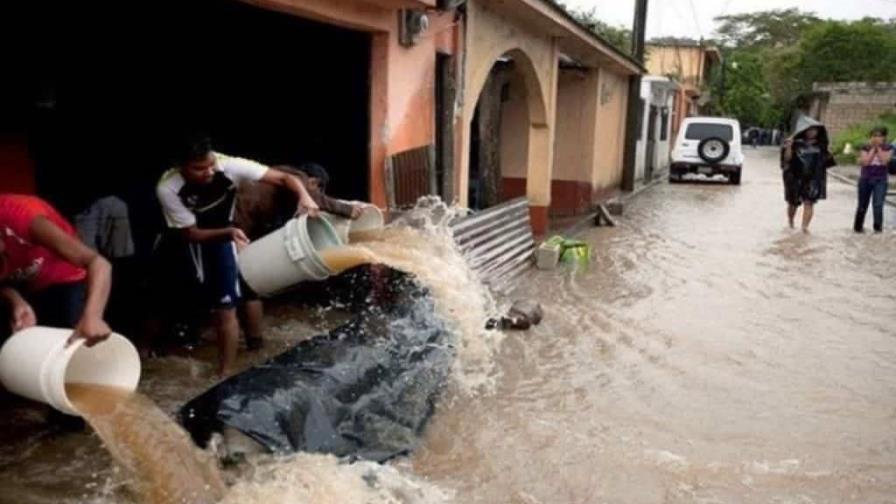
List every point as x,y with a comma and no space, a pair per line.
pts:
840,52
617,36
742,90
786,51
774,28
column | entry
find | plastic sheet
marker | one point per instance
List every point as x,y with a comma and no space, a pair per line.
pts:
365,390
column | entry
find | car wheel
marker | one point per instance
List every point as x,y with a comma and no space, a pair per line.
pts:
713,150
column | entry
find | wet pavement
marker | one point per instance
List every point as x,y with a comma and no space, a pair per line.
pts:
707,354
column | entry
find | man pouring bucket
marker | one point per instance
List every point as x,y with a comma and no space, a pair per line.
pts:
47,275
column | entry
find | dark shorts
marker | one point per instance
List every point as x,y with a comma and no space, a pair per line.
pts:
219,275
56,306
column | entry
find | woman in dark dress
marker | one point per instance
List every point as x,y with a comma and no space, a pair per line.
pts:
805,159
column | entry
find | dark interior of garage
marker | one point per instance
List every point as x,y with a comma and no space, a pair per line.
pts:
93,92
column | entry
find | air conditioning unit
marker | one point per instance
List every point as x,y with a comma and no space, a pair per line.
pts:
412,24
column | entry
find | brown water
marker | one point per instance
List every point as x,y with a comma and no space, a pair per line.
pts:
164,465
345,258
708,354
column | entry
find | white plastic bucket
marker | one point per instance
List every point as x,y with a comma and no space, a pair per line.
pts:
36,363
371,219
288,256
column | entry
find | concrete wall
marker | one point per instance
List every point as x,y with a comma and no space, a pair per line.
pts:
575,143
840,105
610,132
684,63
658,94
515,131
688,66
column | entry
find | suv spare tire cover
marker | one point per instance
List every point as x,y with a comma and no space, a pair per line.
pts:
713,149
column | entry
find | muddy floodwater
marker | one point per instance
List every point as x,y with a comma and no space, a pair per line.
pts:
707,354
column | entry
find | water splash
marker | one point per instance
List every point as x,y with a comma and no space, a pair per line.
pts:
323,479
420,242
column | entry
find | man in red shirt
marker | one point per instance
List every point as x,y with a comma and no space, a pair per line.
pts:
47,275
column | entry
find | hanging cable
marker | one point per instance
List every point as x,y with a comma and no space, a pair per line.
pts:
696,19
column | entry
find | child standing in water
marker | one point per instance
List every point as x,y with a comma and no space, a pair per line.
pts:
874,159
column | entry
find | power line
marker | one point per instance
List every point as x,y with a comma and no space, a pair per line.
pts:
725,9
679,15
696,20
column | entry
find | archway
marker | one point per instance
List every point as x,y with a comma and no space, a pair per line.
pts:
509,135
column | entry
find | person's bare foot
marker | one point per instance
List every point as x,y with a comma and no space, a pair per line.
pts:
806,230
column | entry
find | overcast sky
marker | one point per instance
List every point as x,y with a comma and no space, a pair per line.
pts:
678,18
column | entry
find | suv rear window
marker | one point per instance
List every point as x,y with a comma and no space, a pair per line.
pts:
700,131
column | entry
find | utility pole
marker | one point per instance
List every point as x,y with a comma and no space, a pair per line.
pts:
634,113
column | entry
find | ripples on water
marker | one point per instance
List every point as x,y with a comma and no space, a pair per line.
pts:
708,354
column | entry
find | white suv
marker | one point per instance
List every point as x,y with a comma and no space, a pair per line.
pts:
708,146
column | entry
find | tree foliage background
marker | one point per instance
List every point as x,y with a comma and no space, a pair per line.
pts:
772,58
618,36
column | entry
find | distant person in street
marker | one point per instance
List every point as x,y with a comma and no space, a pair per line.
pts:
805,158
198,198
874,158
47,275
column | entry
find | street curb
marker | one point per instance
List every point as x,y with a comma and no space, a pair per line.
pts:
854,183
587,221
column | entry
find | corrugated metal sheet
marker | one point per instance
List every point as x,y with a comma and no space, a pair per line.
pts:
497,243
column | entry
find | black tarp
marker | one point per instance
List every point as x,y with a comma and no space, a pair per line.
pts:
365,390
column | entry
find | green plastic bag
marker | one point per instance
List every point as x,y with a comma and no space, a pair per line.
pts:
572,251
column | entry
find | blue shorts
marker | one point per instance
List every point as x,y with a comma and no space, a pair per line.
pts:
219,274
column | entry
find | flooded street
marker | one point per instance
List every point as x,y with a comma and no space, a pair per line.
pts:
709,354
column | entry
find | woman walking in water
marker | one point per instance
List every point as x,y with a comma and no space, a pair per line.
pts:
805,159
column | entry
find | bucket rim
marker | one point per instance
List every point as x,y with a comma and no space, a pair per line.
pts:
80,344
328,228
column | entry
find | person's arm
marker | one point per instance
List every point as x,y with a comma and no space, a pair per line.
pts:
91,327
22,314
866,156
194,234
337,207
787,151
291,182
178,216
